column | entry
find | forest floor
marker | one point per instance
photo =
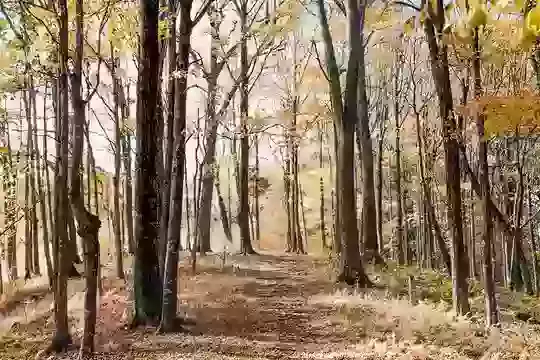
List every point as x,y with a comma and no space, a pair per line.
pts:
272,307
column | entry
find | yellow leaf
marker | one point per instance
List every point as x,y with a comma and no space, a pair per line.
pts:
408,26
519,4
533,20
478,16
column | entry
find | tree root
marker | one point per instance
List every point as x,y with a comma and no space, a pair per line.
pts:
355,279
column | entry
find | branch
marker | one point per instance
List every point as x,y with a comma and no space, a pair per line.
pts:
407,4
201,12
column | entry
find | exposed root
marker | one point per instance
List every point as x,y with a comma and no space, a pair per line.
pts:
355,278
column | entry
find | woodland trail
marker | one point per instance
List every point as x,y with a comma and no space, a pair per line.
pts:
267,307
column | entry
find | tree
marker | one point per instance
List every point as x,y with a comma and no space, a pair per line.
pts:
88,223
170,283
148,296
351,269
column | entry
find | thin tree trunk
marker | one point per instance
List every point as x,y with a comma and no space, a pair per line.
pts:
492,316
62,337
532,235
169,136
441,74
28,206
256,205
128,190
10,203
400,235
118,242
243,211
322,220
88,224
222,208
39,179
46,193
380,154
170,276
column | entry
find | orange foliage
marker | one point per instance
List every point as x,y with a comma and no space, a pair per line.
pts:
507,114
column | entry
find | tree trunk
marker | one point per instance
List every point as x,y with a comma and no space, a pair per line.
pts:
222,208
212,123
39,180
44,193
430,209
10,203
400,236
169,138
128,184
322,220
351,268
441,74
118,242
28,189
88,224
147,283
62,337
243,211
384,115
369,211
256,204
170,276
492,316
532,235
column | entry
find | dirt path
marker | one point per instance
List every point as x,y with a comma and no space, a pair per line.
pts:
254,307
269,307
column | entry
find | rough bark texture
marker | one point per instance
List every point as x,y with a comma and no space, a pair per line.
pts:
146,265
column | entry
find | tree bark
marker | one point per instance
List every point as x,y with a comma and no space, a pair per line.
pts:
212,123
169,138
88,223
492,315
39,181
128,184
369,210
62,337
243,211
170,276
400,241
117,224
441,73
148,291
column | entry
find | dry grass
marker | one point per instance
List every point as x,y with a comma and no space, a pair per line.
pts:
286,307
